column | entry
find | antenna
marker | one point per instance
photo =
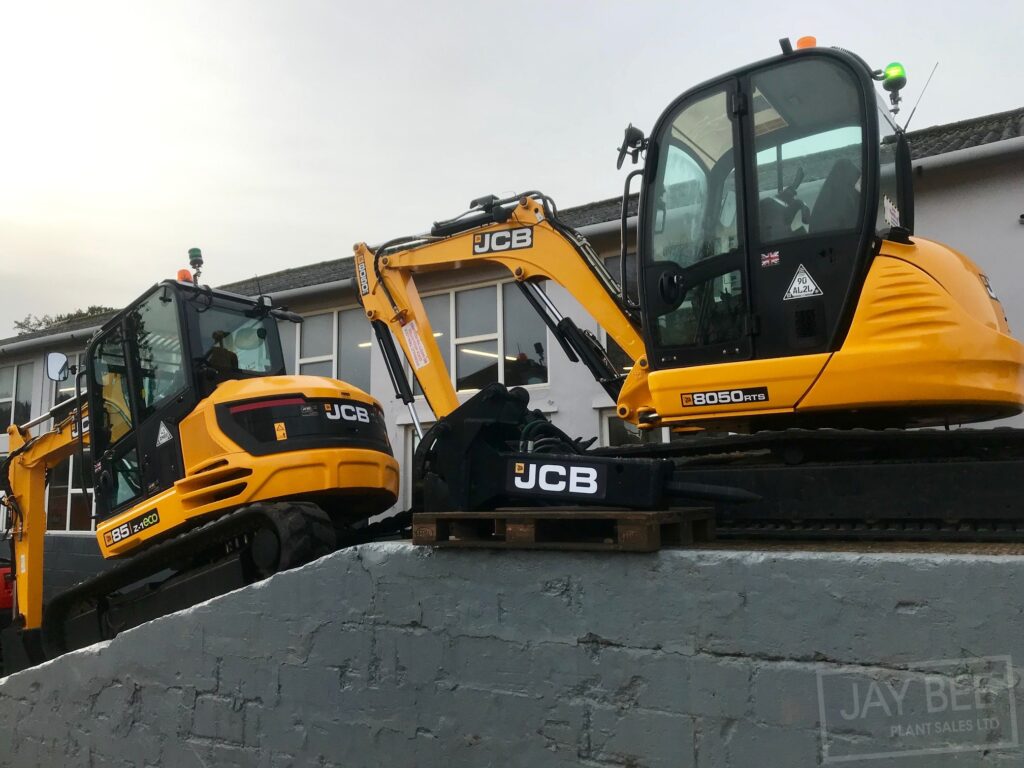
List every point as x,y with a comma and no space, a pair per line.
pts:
920,96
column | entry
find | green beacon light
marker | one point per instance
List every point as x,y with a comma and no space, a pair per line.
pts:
895,77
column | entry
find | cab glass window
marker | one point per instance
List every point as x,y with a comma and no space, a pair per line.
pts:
809,139
234,343
156,334
695,220
110,379
695,190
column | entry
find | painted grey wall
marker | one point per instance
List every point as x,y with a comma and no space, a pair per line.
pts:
68,559
393,655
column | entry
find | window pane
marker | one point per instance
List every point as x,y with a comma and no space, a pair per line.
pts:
109,375
437,308
23,397
323,368
158,339
57,497
612,265
5,414
712,312
63,390
86,470
6,382
127,478
477,364
526,337
286,330
476,311
808,173
233,342
316,336
695,189
622,362
441,322
81,512
354,348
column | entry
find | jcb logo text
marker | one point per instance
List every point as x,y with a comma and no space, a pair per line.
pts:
556,478
506,240
337,412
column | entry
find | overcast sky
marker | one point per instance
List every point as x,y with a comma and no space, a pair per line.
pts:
275,134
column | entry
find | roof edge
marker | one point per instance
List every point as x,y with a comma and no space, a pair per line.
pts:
16,347
971,154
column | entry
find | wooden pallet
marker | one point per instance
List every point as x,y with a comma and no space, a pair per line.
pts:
565,528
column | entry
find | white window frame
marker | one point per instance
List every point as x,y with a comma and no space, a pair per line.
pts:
14,390
74,358
499,336
332,358
12,400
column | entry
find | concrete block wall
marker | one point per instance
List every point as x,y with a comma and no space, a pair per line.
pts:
392,655
69,559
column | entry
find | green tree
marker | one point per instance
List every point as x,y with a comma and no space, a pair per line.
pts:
35,323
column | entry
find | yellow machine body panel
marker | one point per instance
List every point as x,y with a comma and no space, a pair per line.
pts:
927,335
927,339
221,475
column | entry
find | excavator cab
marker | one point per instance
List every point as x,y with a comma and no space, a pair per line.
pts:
768,195
760,210
151,365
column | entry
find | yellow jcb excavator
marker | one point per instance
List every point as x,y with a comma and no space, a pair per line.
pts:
210,467
782,290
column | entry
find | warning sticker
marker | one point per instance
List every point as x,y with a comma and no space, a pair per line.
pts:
415,345
280,431
803,286
163,435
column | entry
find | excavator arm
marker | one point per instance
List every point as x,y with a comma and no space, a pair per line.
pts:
524,236
23,476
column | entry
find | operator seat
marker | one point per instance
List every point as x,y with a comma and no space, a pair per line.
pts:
838,201
220,357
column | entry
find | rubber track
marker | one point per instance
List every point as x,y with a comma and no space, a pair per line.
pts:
860,484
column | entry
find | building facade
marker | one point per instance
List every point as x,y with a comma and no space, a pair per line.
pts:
969,185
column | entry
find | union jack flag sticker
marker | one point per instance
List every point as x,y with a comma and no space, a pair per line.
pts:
769,259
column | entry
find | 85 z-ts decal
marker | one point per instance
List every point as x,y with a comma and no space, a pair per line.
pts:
135,525
725,397
504,240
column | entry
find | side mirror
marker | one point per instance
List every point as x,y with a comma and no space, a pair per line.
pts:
57,366
633,143
666,287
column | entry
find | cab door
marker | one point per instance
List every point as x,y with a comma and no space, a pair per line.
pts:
164,394
807,203
695,272
139,391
